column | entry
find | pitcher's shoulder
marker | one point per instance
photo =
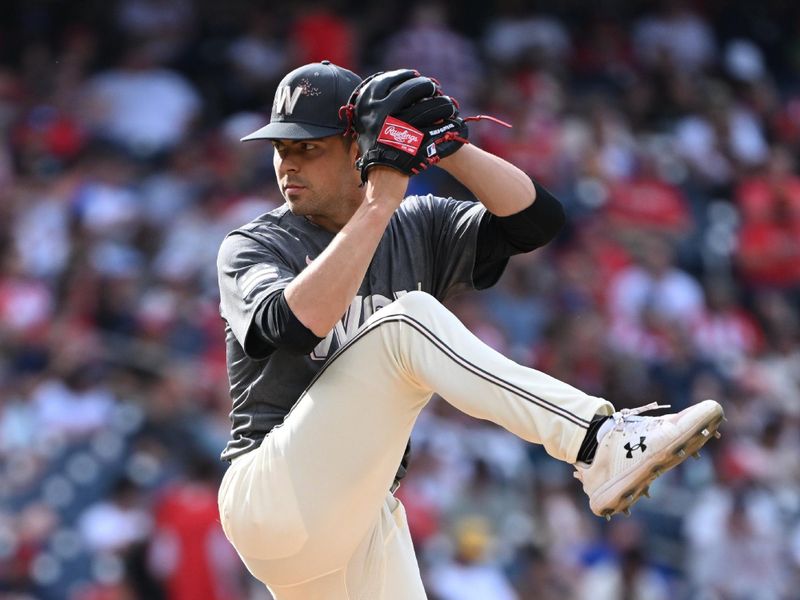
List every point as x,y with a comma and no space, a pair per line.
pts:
273,218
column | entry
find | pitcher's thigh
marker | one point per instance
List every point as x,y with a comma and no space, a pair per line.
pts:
382,567
344,440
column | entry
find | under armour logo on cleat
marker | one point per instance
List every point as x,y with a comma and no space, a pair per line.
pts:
639,446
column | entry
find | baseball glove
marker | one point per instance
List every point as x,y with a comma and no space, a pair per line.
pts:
402,120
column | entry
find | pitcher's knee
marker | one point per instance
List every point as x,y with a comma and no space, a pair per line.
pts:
415,306
415,303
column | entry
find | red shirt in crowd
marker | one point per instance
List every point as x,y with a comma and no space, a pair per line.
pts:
769,239
648,203
321,35
190,549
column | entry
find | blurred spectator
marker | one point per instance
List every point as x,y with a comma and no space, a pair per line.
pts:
26,303
18,422
118,523
574,351
74,402
774,376
537,576
603,145
46,138
503,505
428,44
319,33
655,283
103,199
769,239
565,531
721,139
163,25
26,538
628,576
143,107
679,373
469,575
734,553
516,308
42,241
188,550
675,35
517,35
587,265
652,304
645,203
603,52
167,193
768,455
257,60
743,60
532,99
725,333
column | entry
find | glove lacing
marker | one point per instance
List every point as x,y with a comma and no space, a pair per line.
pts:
346,114
452,136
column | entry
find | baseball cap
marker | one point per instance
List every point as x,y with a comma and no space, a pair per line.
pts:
307,102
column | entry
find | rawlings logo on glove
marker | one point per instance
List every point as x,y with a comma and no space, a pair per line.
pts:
400,135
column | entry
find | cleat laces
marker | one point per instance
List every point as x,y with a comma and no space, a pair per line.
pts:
625,414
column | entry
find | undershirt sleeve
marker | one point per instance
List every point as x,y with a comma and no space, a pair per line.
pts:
276,326
502,237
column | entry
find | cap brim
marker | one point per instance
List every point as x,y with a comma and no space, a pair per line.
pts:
291,131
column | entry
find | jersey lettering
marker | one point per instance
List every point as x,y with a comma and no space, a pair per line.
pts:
286,99
361,309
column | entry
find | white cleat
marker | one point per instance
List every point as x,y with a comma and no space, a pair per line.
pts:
639,449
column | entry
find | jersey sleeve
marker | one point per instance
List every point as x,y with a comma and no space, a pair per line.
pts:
455,226
249,272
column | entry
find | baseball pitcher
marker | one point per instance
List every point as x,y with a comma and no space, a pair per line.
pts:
337,338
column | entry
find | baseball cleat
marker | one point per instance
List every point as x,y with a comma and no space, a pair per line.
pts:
639,449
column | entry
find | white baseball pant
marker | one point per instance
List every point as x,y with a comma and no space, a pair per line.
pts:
309,510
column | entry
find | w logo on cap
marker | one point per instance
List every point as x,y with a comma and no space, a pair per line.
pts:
286,99
323,87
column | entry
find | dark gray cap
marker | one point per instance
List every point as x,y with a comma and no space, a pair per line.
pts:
307,102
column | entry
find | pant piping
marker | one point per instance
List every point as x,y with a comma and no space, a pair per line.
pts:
508,386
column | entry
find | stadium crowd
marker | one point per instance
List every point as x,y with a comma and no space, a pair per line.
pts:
670,131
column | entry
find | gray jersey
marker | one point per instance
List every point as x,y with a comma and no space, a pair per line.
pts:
429,245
